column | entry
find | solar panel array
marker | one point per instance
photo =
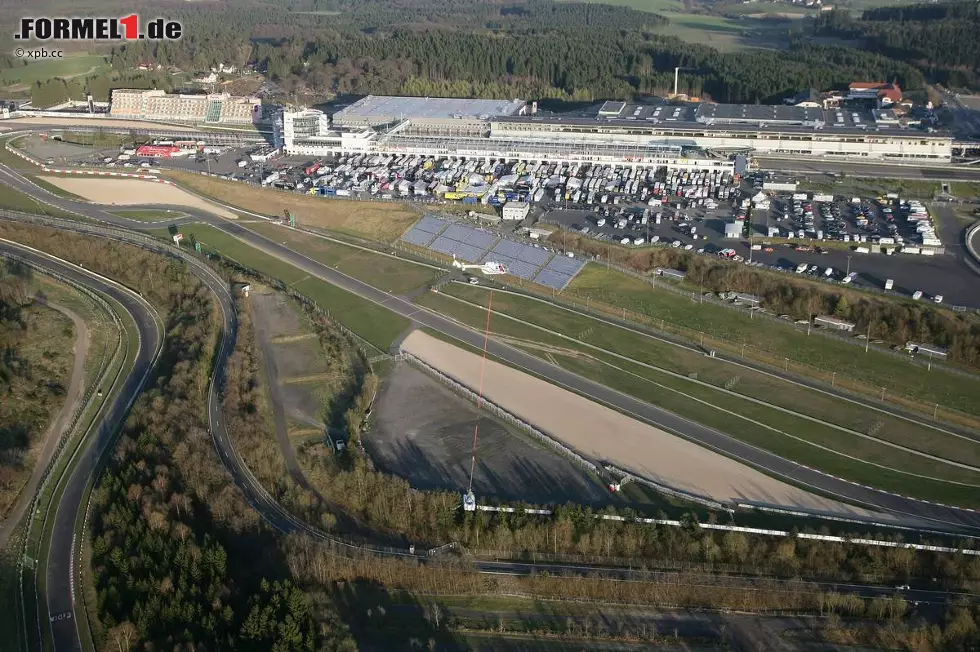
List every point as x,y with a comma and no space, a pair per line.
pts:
456,248
514,266
474,245
559,272
417,237
430,224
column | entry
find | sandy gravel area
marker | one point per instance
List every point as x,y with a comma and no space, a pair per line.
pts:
600,433
134,192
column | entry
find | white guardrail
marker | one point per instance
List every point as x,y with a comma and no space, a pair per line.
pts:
749,530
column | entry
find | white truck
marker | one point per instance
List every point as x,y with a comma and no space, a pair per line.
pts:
889,284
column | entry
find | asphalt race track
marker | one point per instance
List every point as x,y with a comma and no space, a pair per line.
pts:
60,603
58,577
940,517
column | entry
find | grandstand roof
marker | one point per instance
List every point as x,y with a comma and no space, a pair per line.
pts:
380,109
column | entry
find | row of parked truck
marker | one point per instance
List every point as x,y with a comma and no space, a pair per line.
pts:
491,181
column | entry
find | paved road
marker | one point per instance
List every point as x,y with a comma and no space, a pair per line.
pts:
940,517
58,574
60,601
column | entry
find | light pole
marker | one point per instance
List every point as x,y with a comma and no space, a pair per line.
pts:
867,342
848,273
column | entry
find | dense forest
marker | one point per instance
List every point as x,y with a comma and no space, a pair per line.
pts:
939,39
174,541
535,49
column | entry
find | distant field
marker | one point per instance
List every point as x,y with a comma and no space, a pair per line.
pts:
659,6
70,66
687,361
719,32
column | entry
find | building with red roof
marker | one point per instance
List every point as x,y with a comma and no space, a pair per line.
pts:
885,93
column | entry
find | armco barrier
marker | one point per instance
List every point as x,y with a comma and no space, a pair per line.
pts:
670,491
66,435
750,530
501,413
970,248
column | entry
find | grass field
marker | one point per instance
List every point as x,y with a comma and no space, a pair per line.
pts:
776,340
725,34
8,158
371,322
150,214
67,67
865,186
790,436
389,274
753,384
719,32
50,187
380,221
14,200
965,190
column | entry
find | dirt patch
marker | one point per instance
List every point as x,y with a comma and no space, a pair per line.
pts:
423,432
134,192
600,433
302,403
44,149
377,220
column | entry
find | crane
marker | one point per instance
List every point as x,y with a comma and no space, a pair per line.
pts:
489,268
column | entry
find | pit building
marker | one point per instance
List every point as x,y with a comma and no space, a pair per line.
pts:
682,136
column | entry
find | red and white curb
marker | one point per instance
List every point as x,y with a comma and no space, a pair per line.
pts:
98,173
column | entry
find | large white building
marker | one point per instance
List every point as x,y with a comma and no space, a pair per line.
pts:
675,136
216,108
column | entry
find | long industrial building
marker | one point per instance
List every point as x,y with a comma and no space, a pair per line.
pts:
683,136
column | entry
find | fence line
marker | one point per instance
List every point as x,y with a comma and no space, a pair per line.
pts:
503,414
749,530
774,363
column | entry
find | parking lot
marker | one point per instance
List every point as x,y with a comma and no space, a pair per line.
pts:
855,238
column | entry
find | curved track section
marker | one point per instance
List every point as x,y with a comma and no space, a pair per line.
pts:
940,517
58,577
